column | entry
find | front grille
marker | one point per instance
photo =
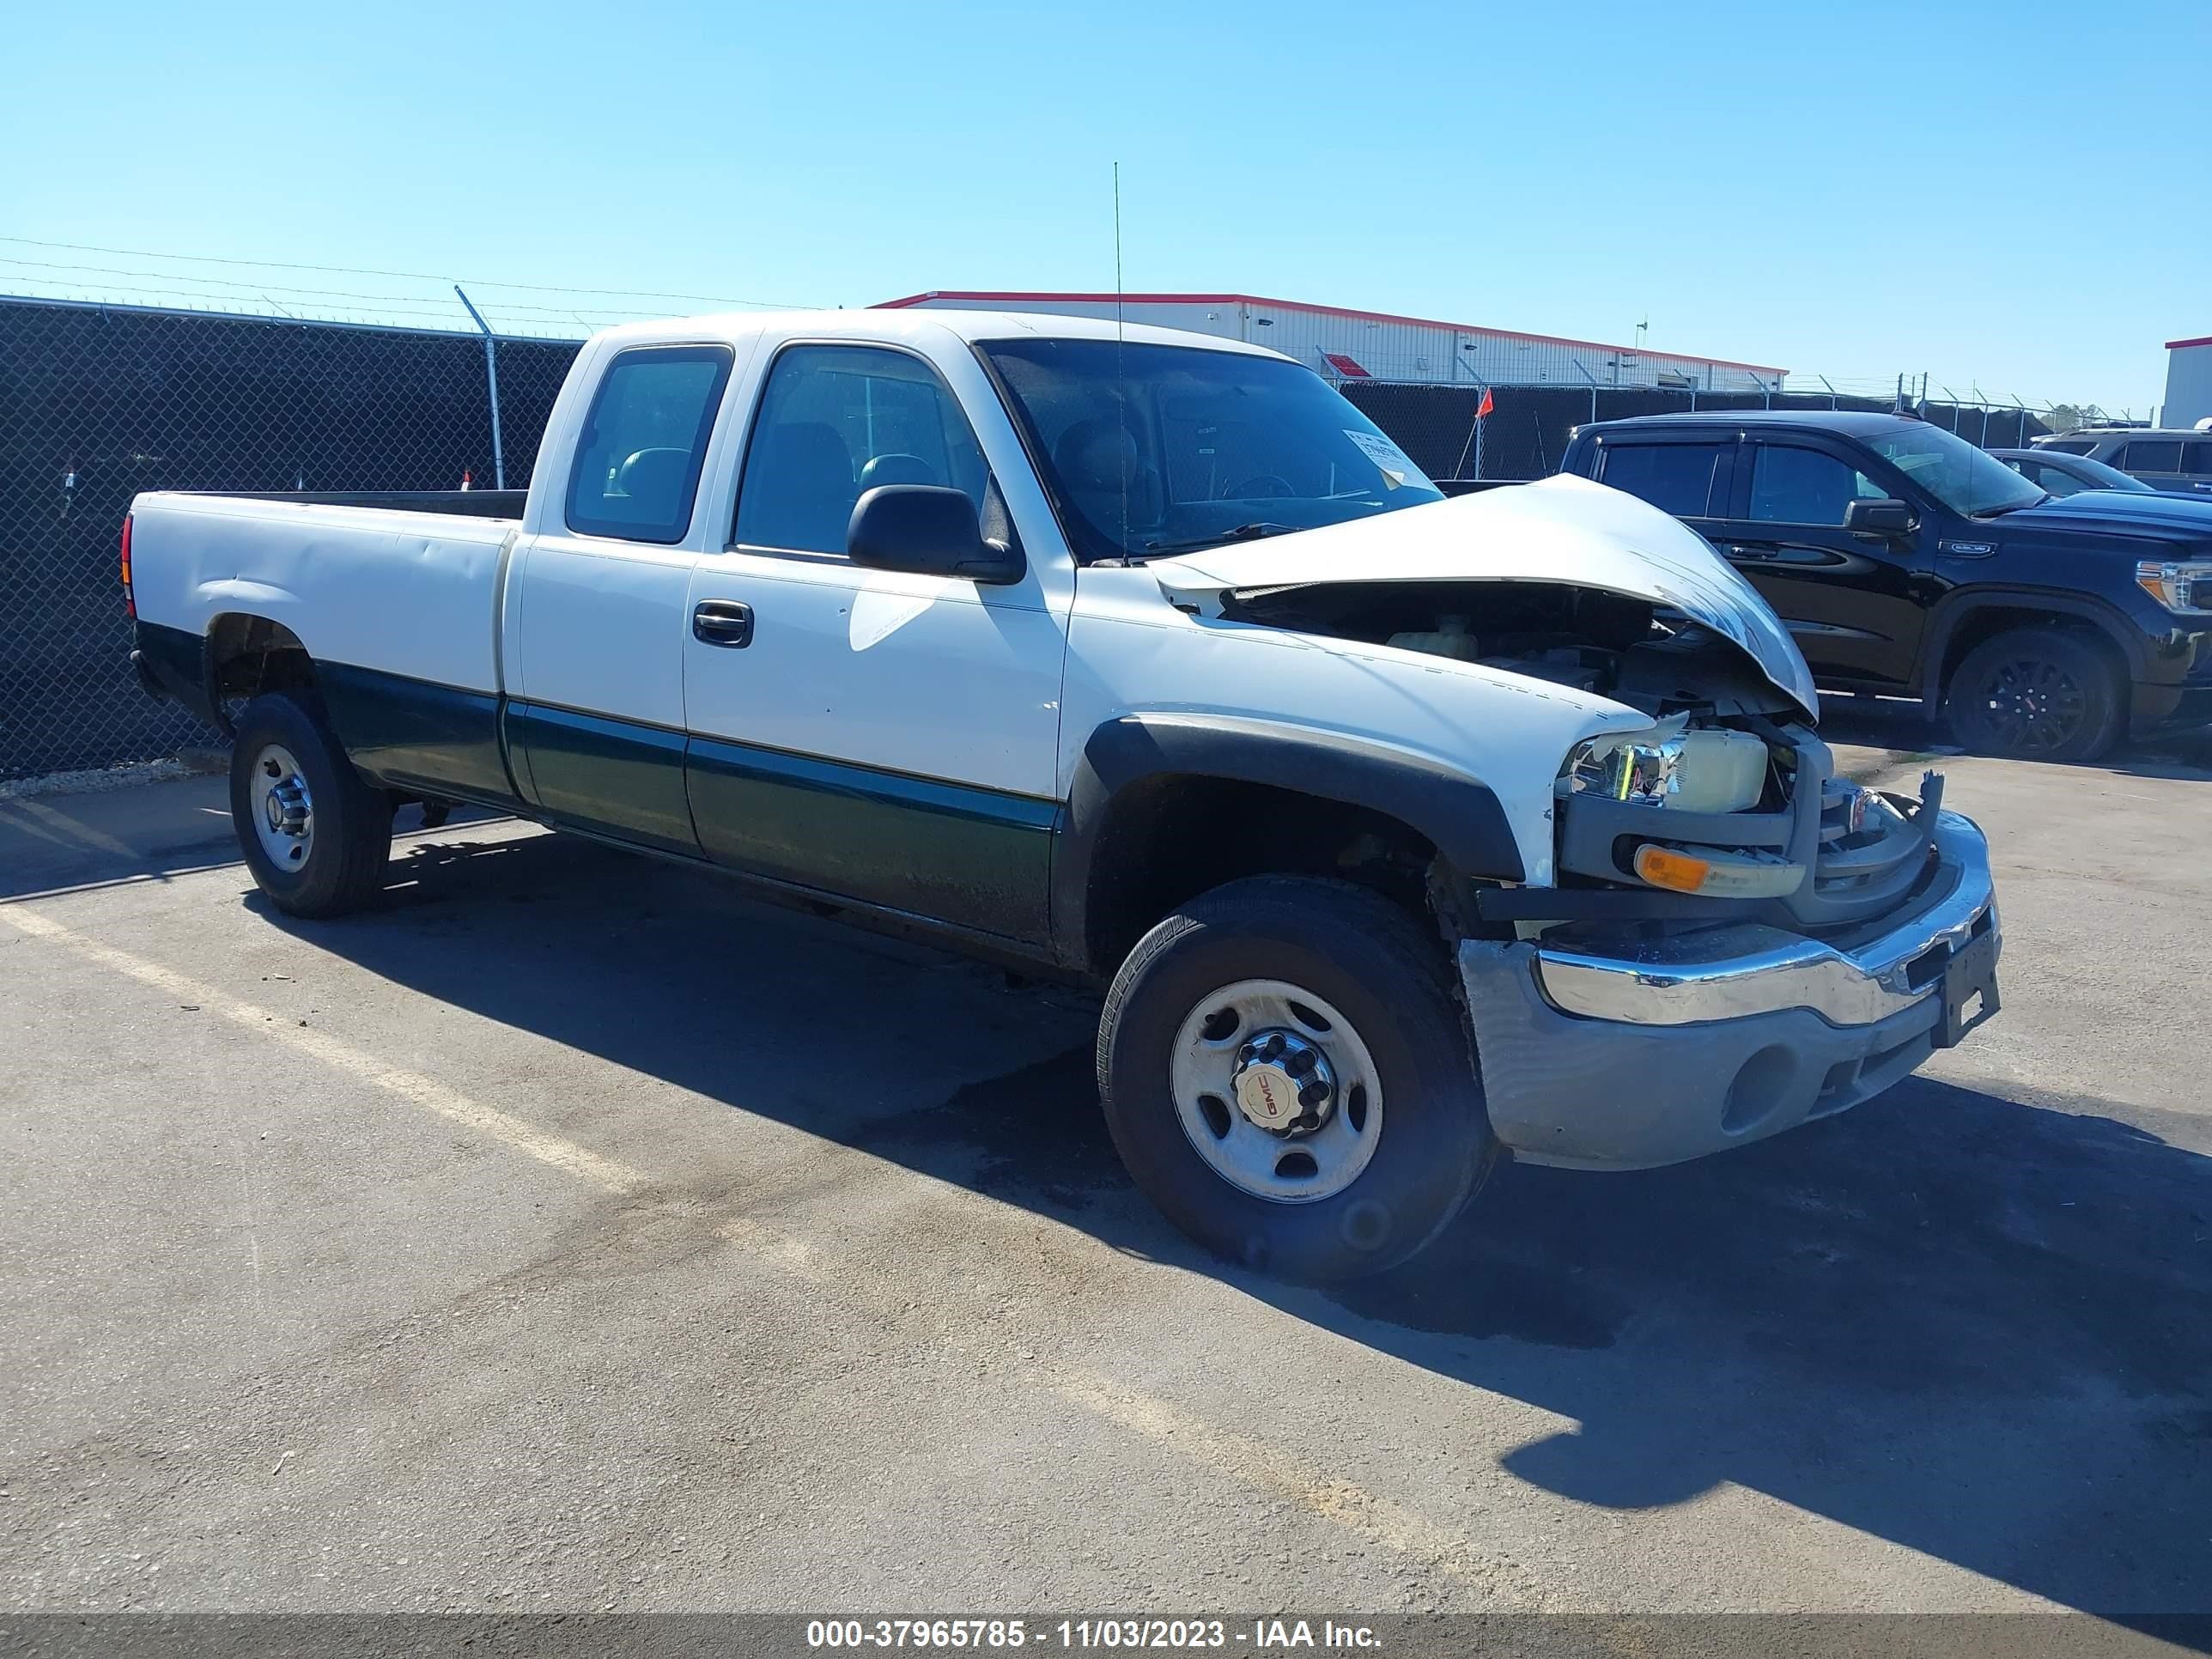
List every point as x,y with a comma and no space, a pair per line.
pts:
1863,872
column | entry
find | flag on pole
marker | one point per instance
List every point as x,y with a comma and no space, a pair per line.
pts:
1489,403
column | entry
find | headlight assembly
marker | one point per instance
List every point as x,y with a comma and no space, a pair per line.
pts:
2186,588
1692,771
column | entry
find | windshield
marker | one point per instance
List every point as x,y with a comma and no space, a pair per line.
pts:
1149,450
1965,479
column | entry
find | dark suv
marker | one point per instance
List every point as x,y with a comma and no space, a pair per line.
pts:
1907,562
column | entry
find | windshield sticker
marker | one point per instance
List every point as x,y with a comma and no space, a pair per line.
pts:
1389,458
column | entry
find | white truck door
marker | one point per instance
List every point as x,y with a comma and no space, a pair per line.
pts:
595,723
884,737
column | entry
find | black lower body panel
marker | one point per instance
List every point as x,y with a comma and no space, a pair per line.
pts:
413,735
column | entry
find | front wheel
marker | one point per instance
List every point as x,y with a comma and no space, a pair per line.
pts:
316,836
2036,694
1286,1075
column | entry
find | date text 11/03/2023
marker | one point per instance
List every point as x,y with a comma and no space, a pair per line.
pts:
1263,1635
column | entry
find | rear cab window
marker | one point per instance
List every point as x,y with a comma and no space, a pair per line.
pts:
1685,479
638,458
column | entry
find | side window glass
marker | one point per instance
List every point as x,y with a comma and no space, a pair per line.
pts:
836,422
1803,486
2197,459
2150,456
1677,479
636,473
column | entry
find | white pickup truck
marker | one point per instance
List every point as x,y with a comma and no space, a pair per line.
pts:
1403,831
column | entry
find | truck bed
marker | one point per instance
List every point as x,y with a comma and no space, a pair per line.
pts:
403,581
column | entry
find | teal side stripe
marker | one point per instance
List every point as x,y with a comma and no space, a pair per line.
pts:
413,733
977,857
620,777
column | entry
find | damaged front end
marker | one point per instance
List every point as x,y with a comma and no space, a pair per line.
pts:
1746,816
1729,939
1725,806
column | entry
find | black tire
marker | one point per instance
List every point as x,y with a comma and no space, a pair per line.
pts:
2036,694
1387,975
342,864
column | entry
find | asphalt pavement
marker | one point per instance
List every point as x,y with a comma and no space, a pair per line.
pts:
574,1233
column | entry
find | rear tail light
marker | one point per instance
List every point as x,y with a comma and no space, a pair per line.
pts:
129,602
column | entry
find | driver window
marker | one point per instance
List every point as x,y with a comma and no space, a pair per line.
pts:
1804,486
836,422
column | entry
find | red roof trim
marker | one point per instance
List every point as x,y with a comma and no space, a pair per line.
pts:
999,296
2176,345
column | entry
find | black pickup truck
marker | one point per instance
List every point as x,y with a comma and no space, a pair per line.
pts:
1907,562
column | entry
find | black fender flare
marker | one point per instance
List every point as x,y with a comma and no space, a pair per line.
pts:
1961,604
178,664
1457,813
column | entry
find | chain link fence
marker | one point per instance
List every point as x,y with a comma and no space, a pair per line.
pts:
98,404
1525,435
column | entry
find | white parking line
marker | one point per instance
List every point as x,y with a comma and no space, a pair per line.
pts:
1224,1452
1253,1463
427,1093
1237,1457
49,825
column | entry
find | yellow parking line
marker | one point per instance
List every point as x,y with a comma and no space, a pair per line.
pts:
417,1090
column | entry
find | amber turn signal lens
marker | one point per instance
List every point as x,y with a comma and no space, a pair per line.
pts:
1677,872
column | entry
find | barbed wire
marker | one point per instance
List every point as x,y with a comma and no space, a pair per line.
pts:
248,295
414,276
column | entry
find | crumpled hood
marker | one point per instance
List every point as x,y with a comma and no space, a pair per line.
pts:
1562,529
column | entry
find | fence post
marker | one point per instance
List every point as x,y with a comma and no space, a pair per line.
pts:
491,385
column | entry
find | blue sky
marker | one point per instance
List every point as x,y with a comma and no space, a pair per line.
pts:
2012,195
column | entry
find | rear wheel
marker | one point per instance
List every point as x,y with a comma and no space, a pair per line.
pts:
1288,1076
316,836
2036,694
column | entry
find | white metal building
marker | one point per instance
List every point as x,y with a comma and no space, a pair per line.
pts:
1379,346
2188,382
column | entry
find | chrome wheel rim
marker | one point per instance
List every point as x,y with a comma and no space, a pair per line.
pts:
281,809
1276,1091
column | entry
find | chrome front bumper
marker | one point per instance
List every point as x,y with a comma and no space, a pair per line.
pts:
1671,1049
1725,973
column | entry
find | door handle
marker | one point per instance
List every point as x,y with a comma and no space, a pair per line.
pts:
1738,550
722,622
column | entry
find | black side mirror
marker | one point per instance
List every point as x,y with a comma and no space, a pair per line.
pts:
930,531
1882,518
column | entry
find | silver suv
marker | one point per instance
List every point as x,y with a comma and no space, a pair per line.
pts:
2166,457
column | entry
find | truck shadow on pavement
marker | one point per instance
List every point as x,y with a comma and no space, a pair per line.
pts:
1978,1326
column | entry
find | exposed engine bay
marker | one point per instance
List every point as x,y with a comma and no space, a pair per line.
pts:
1605,643
1725,804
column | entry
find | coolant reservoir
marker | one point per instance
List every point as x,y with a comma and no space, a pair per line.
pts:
1451,638
1718,771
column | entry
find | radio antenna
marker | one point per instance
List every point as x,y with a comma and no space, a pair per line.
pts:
1127,442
